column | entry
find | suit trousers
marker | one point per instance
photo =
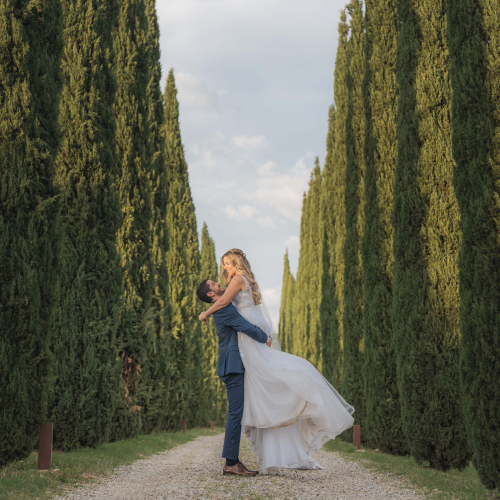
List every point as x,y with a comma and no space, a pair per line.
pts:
235,388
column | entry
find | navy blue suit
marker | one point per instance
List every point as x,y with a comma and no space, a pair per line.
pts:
230,370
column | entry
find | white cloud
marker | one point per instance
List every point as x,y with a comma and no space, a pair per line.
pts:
267,168
243,212
250,143
293,243
266,222
225,185
194,92
283,191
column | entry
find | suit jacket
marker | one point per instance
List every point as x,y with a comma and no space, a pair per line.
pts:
229,322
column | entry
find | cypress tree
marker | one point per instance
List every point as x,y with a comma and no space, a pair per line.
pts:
339,170
299,308
286,323
135,338
283,305
212,386
87,373
30,83
473,34
155,413
183,264
352,380
306,330
315,268
426,243
328,304
383,416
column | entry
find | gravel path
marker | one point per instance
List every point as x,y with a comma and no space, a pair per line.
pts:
194,471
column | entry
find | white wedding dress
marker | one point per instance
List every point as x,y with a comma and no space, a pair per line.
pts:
290,409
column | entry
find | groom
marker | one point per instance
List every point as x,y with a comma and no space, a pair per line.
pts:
229,322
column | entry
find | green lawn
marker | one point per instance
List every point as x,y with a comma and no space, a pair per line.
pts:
437,485
21,480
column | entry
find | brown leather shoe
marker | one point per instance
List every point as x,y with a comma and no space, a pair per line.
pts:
238,470
246,470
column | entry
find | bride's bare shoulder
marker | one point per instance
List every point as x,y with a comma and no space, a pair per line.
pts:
238,280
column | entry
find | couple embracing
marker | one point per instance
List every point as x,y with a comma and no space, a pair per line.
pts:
286,408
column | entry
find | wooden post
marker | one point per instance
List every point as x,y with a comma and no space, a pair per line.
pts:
212,425
183,425
45,446
357,437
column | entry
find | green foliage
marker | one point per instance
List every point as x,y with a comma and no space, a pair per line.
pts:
286,319
339,186
214,395
474,34
426,243
30,84
183,264
327,301
300,296
383,416
352,378
85,367
135,339
314,268
154,415
306,340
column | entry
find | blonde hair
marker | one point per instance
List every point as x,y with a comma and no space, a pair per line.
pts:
242,267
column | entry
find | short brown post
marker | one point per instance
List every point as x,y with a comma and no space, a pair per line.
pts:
212,425
183,425
357,437
45,446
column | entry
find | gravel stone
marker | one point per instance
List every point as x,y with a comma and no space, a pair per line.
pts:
194,471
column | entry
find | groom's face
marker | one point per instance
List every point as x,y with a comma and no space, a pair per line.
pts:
215,290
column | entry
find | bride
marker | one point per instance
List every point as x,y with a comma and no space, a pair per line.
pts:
290,409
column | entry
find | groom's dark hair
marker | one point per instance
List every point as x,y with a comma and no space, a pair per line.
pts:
202,291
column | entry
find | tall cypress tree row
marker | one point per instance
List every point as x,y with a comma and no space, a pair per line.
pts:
30,84
131,65
213,388
426,243
339,170
306,332
328,303
474,34
183,264
87,373
154,416
299,308
383,416
315,268
283,305
286,322
352,380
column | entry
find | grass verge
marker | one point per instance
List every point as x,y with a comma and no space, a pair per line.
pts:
453,485
22,481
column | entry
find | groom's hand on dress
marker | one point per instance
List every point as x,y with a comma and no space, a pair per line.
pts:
269,341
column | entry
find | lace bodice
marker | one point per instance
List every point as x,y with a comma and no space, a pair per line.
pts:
247,308
244,300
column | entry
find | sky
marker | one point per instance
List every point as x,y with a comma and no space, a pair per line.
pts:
255,82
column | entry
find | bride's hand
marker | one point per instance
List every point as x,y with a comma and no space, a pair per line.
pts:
204,316
269,341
